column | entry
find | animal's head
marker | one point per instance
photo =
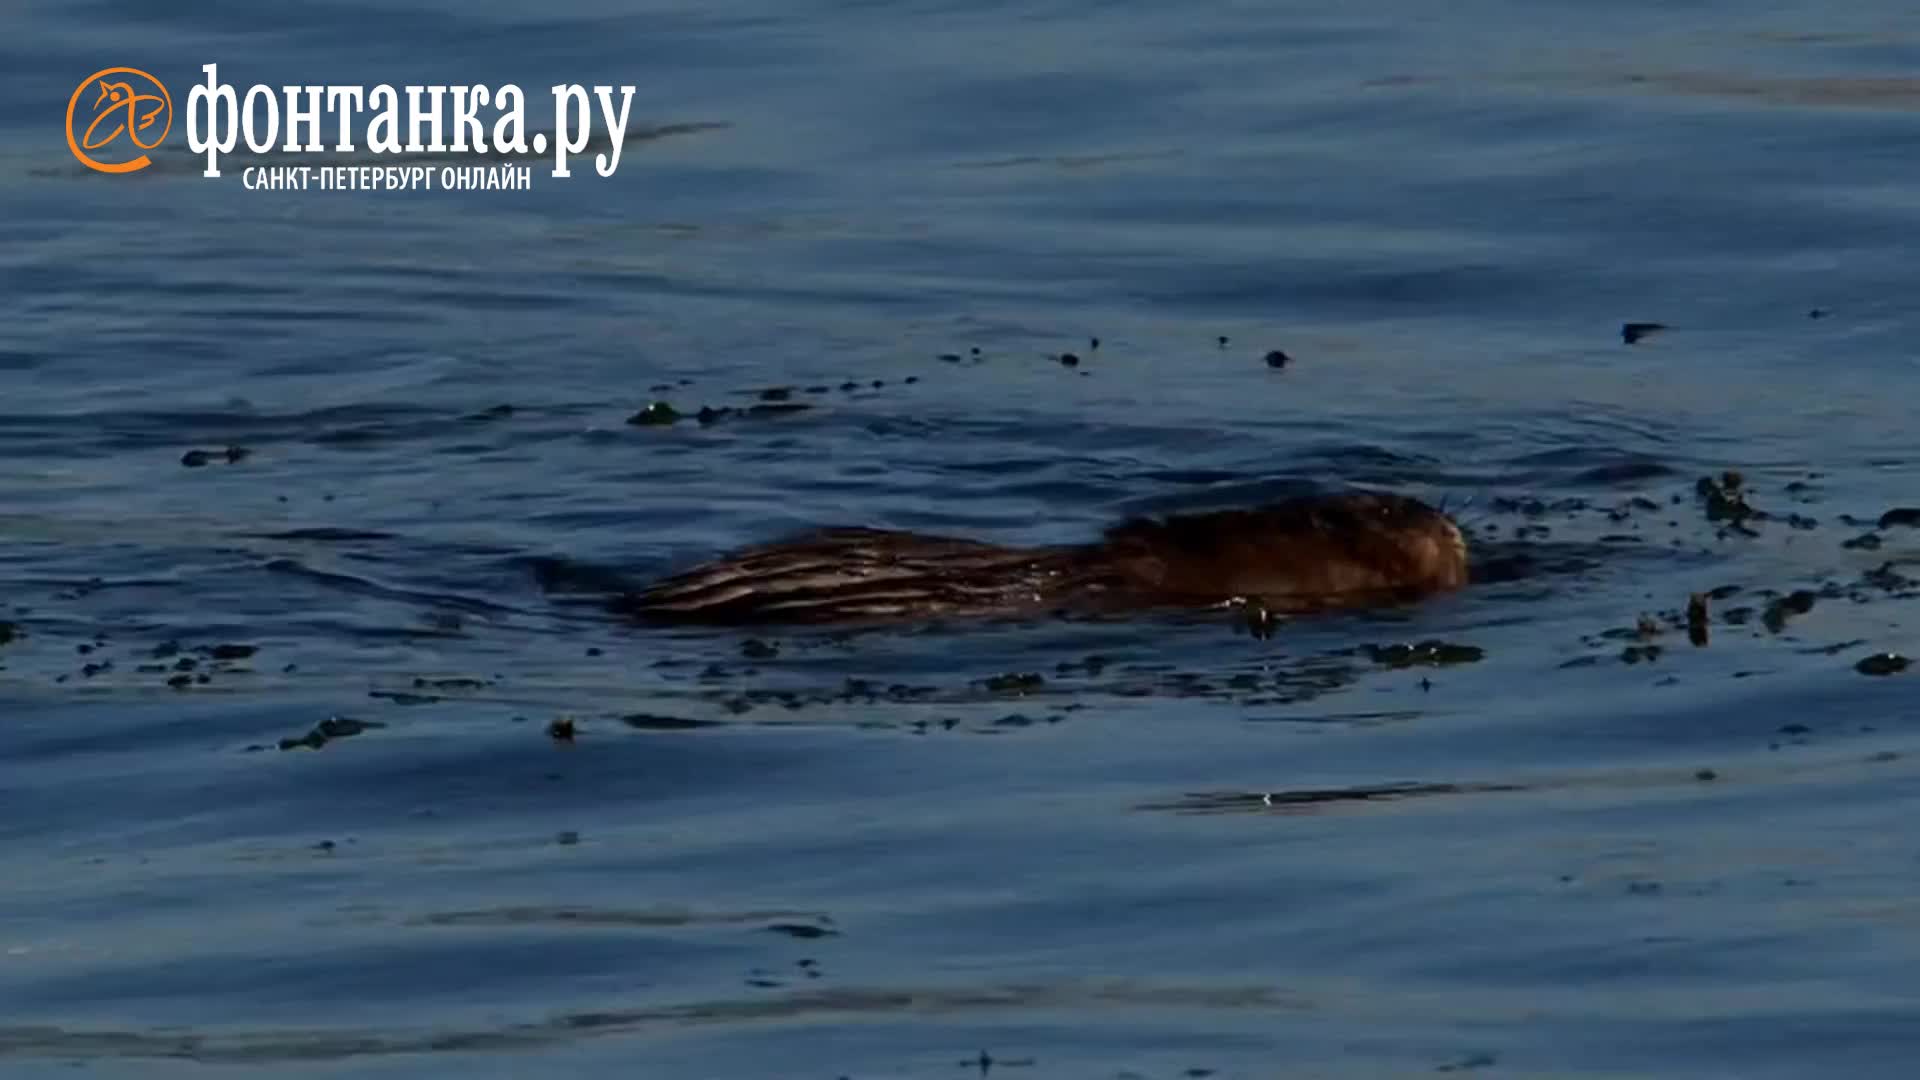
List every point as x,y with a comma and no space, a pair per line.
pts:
1425,545
1353,547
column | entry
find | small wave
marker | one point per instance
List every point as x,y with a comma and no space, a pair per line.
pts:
335,1044
363,586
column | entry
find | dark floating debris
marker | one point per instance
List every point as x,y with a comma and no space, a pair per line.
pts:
1277,359
455,682
1886,578
710,415
1016,683
1818,313
1883,664
1697,619
1258,620
658,413
403,697
1532,507
1901,515
561,730
1726,500
232,455
1431,653
1221,341
1632,332
334,727
1798,602
10,632
1634,654
1093,344
1069,360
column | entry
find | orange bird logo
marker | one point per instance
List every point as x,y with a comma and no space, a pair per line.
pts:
132,106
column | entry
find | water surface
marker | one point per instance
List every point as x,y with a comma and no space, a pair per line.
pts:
1185,851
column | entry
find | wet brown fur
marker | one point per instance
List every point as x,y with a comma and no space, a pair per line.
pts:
1305,554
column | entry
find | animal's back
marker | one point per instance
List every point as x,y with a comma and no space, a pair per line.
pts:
852,574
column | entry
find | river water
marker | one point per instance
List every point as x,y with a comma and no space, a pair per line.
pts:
1579,848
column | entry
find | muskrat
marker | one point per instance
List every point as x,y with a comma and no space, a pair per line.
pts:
1305,554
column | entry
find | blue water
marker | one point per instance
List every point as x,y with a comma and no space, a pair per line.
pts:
1187,852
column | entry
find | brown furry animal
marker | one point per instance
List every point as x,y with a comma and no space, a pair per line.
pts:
1305,554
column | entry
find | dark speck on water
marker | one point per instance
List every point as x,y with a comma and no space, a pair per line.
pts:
656,414
375,475
328,730
1798,602
1425,653
1015,683
1883,664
